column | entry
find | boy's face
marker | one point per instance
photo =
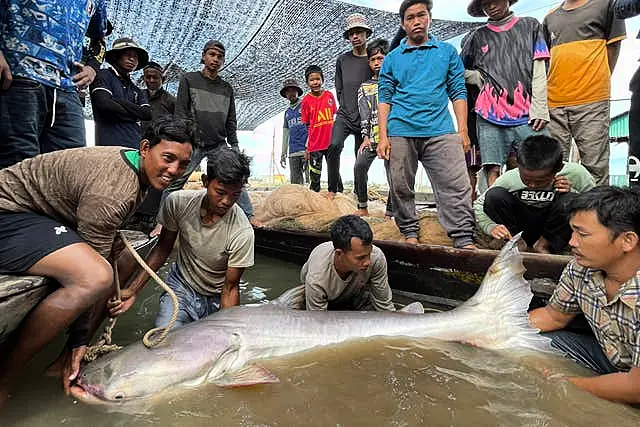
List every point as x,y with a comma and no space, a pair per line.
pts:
128,60
213,59
537,179
291,93
152,78
375,63
314,81
357,37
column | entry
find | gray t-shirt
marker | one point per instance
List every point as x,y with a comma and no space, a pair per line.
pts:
206,251
368,290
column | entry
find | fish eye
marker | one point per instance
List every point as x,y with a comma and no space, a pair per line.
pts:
118,396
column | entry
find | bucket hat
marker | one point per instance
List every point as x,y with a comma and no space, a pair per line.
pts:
290,83
475,8
357,20
111,56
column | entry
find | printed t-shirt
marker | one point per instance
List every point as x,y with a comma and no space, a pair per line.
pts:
318,112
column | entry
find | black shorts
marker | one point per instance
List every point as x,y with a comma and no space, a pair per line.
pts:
27,237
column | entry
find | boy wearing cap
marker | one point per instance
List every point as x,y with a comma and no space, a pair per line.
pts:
40,73
505,59
294,132
317,111
118,104
352,69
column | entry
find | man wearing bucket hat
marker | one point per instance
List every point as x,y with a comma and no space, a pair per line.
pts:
352,69
505,59
118,104
294,132
40,73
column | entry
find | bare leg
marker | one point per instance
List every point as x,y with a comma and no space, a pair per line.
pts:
84,277
411,240
474,182
362,212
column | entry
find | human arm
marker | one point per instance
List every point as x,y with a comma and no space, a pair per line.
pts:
315,296
285,143
613,52
231,125
539,110
615,32
386,89
547,319
231,288
621,387
240,250
562,306
461,112
457,92
379,282
338,79
625,9
5,73
579,177
171,103
117,110
183,100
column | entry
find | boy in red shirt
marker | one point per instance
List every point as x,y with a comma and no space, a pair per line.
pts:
317,111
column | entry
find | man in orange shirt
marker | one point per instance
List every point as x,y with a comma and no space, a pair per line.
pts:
584,37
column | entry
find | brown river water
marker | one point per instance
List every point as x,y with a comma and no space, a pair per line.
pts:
378,382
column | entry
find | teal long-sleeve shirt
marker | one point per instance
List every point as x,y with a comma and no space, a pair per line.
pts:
418,82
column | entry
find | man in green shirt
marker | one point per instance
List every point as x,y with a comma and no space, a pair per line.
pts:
534,198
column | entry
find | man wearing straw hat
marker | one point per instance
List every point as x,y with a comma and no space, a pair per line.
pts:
352,69
118,104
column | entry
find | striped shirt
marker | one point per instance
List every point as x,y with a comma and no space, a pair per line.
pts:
615,323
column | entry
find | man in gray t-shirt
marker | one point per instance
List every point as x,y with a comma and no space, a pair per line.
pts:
216,243
348,273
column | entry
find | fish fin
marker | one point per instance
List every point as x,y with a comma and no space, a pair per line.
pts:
247,376
293,298
413,308
503,298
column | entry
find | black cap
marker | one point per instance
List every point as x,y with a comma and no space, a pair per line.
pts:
213,44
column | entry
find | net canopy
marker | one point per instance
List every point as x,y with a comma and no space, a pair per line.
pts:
266,41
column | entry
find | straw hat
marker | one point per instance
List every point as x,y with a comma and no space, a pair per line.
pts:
111,56
475,8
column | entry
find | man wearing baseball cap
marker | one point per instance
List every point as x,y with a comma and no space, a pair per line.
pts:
352,69
118,104
294,132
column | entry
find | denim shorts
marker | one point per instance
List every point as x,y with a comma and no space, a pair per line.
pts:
496,142
192,305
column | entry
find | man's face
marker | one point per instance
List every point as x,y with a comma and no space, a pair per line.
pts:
591,242
358,258
128,60
416,22
375,63
357,37
165,162
495,9
221,196
213,59
314,81
291,93
537,179
153,79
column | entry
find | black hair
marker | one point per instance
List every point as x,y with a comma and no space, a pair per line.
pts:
228,165
617,208
395,42
347,227
377,46
313,69
539,152
169,129
406,4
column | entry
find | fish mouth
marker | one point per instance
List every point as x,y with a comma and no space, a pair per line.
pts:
88,394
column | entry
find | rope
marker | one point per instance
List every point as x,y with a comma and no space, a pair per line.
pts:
104,344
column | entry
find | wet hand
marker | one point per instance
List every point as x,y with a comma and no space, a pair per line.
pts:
501,232
561,184
5,73
85,77
538,124
384,148
116,306
71,366
466,141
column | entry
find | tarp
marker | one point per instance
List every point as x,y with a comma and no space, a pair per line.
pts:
266,41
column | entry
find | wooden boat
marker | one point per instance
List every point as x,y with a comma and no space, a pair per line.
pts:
439,276
19,294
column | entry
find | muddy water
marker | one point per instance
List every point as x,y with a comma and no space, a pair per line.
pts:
375,382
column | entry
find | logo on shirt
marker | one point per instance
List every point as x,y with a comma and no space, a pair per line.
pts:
485,48
60,230
537,196
325,114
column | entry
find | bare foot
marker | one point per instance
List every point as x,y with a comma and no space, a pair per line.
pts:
331,195
256,223
156,231
388,218
362,212
411,240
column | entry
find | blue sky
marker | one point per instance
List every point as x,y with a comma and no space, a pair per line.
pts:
259,142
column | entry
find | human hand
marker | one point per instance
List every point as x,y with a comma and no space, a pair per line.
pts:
306,155
366,143
85,77
116,306
561,184
71,366
283,162
538,124
466,141
501,232
384,148
5,73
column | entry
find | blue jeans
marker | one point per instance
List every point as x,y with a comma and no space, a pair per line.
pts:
198,154
192,305
585,350
496,142
36,119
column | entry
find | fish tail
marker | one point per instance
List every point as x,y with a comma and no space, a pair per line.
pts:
504,297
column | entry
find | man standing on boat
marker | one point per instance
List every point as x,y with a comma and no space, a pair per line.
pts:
417,80
603,283
349,272
59,214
